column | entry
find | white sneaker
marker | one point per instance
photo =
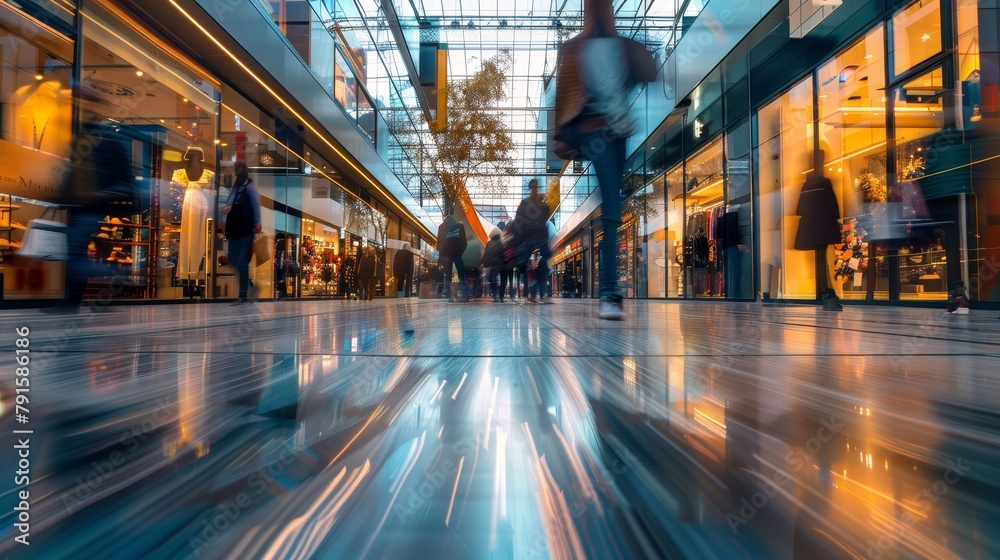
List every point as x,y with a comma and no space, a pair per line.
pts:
611,308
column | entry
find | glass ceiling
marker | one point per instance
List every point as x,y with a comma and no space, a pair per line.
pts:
531,30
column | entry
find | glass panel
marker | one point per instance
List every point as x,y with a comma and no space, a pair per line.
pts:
852,135
922,258
916,34
655,240
167,109
35,132
735,227
345,87
704,195
969,62
673,184
785,132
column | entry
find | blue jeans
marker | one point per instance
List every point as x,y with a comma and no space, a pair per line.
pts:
79,267
446,262
239,256
608,156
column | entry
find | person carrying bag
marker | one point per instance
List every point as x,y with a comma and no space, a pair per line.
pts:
595,72
242,223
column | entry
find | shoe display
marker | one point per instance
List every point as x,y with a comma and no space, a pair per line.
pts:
611,308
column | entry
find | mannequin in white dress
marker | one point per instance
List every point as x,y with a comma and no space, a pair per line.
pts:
199,200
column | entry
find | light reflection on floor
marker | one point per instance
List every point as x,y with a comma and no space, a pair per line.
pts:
423,429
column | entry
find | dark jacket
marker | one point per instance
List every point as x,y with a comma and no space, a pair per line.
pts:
100,171
402,264
493,253
820,223
366,267
529,222
451,239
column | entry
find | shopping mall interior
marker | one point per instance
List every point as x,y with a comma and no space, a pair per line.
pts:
794,376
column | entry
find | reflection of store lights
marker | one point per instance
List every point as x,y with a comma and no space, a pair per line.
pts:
850,155
39,77
138,73
713,425
869,56
924,37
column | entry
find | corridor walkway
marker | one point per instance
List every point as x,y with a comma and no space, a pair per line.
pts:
423,429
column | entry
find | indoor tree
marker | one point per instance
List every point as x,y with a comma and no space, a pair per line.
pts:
473,141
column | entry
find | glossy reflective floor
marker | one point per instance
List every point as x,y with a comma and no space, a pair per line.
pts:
423,429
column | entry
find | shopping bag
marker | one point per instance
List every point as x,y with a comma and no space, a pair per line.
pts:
263,248
44,240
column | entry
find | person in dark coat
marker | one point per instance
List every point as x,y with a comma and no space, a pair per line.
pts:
530,233
402,269
366,274
451,244
820,212
99,174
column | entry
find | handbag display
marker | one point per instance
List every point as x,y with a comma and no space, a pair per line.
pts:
263,248
44,240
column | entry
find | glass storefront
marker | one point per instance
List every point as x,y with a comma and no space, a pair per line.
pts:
183,132
35,133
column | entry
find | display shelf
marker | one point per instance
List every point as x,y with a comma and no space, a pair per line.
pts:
121,241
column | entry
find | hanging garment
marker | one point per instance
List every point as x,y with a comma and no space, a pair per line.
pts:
199,200
820,223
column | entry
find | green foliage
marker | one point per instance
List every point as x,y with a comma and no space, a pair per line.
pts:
475,141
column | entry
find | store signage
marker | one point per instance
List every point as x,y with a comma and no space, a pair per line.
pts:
698,128
29,173
320,189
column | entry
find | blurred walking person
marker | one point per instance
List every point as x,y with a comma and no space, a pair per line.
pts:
528,233
242,213
451,244
402,269
367,265
99,176
595,72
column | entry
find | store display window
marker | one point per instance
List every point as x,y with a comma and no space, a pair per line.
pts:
704,198
654,239
166,108
916,34
320,248
35,133
673,184
785,155
852,128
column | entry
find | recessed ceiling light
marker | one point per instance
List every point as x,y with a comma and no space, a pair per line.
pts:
39,76
138,73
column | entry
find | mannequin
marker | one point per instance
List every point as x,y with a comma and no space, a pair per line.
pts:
199,201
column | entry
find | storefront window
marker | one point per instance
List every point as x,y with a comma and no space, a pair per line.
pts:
674,186
785,154
35,131
968,60
916,34
704,197
922,259
734,228
852,132
655,240
164,110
